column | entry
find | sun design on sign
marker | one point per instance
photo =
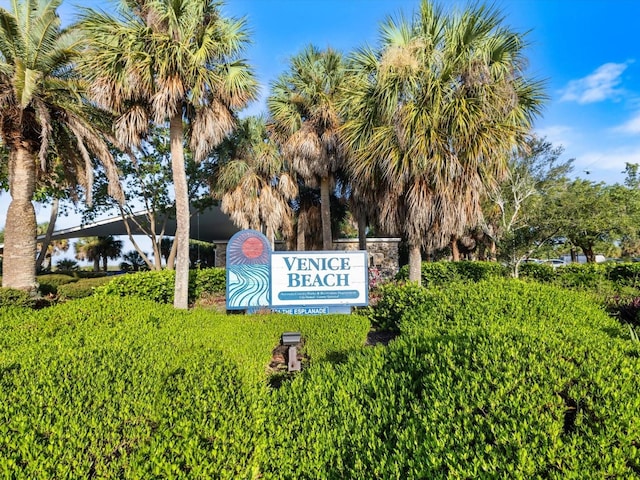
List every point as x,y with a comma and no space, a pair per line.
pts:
248,270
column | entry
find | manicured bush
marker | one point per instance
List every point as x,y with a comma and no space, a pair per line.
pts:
11,297
49,283
210,280
159,285
500,379
109,387
82,288
393,300
540,272
155,285
443,272
625,273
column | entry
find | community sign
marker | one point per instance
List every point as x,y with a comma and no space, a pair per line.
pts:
293,282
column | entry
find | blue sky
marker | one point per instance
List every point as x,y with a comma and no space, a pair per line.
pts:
586,50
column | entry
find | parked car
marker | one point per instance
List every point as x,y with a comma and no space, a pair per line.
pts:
555,262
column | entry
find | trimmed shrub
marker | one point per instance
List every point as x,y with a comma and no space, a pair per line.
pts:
444,272
154,285
210,280
82,288
11,297
158,285
49,283
110,387
500,379
540,272
392,303
625,273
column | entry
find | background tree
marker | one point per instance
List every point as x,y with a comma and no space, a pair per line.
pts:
252,183
515,213
170,61
147,178
590,213
43,115
304,109
96,249
133,262
87,250
48,248
67,265
432,113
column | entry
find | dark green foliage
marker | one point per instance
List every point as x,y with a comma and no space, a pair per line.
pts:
477,271
537,271
159,285
155,285
210,280
49,283
496,379
83,287
443,272
625,273
500,379
10,297
109,387
393,300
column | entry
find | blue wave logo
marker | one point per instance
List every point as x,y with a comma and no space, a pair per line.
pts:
248,286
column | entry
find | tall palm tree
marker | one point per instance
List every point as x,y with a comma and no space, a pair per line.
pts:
170,61
252,181
432,113
43,115
306,120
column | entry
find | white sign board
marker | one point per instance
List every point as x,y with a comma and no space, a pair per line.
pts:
319,278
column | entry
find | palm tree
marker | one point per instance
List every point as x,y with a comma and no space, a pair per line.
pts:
43,115
109,248
304,108
252,181
170,61
88,249
96,249
433,113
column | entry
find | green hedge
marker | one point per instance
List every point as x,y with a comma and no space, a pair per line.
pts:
500,379
11,297
495,379
443,272
49,283
82,288
108,387
159,285
541,272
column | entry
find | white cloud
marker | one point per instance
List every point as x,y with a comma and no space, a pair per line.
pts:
607,165
632,126
601,85
558,135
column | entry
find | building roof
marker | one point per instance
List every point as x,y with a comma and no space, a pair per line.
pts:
210,226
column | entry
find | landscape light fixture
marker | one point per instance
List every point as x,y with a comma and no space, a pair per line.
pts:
292,340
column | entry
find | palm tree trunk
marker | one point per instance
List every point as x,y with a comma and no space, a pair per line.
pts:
301,230
96,263
44,245
415,263
105,263
455,251
19,259
325,214
176,135
362,231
